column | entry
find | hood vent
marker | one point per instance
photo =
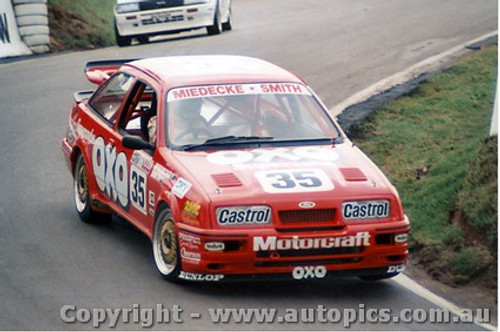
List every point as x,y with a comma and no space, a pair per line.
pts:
353,174
226,180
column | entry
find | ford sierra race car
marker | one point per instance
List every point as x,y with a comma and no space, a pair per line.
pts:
141,19
234,169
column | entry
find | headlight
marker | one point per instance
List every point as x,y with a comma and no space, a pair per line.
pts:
365,210
127,7
195,2
243,215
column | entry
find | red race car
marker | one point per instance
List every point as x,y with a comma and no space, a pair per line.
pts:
234,169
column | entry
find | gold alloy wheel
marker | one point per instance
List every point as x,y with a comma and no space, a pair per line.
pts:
165,245
168,238
81,191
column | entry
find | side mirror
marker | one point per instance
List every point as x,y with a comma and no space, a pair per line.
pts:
136,143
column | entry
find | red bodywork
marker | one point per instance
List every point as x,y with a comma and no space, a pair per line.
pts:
308,236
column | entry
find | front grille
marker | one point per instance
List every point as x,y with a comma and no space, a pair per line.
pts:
152,5
310,252
306,216
309,262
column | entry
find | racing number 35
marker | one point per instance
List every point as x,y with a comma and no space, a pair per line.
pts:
299,180
138,189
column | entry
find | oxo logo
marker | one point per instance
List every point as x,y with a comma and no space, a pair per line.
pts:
111,171
309,272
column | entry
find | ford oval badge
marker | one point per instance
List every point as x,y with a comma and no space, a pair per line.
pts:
307,205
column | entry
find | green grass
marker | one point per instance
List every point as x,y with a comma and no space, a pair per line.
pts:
427,142
82,23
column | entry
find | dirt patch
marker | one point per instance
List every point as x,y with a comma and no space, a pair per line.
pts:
473,295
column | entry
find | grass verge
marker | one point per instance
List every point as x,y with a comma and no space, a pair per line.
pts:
81,24
432,145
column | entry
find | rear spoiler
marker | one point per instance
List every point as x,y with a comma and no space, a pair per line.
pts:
98,72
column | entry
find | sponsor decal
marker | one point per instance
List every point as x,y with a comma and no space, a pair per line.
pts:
141,161
190,256
191,208
152,198
309,272
151,211
271,243
161,174
214,246
293,181
363,210
243,215
237,89
181,187
307,205
4,28
82,132
396,268
111,171
200,277
239,158
189,241
401,238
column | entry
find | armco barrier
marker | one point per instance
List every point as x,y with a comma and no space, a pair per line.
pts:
33,24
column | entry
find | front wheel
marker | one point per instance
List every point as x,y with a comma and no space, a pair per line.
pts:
216,28
121,40
227,26
166,246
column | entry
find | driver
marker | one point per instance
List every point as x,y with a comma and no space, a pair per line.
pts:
189,124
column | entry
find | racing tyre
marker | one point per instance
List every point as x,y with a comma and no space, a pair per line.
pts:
227,26
216,28
378,277
166,246
120,40
81,195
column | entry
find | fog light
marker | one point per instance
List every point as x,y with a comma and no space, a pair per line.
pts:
401,238
214,246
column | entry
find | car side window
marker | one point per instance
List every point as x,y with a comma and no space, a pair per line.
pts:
110,97
139,117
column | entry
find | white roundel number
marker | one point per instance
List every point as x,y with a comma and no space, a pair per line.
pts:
290,181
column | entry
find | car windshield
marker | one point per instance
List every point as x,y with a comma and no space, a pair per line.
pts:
245,113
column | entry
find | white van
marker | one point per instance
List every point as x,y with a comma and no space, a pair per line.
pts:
142,19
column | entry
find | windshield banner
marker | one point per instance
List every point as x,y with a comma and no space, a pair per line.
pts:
237,89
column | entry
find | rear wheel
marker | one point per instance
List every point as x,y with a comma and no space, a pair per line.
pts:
121,40
166,246
81,195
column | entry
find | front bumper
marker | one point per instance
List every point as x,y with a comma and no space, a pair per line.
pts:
155,22
369,249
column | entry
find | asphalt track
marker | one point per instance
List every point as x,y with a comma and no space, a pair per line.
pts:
50,259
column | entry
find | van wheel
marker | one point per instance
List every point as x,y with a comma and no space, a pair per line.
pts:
216,28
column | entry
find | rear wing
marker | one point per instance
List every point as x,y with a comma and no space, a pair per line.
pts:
98,72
